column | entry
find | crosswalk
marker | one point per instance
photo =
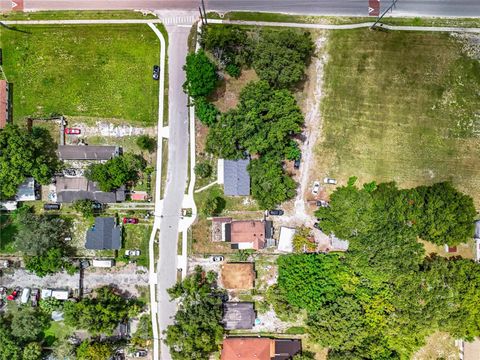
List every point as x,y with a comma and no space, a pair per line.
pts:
178,20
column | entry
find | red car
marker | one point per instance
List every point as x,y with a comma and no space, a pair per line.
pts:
72,131
130,220
13,295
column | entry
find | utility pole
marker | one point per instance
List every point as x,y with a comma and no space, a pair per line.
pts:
204,12
201,15
392,5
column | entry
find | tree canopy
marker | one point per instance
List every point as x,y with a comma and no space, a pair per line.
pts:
201,75
206,111
116,172
197,330
146,142
280,57
23,154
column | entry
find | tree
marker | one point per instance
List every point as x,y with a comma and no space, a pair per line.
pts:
33,351
270,186
116,172
213,205
144,331
302,240
94,351
9,348
203,170
84,206
38,234
201,75
147,143
100,314
51,262
280,57
22,154
27,324
197,331
206,111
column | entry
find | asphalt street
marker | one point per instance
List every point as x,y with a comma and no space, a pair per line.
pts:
176,177
320,7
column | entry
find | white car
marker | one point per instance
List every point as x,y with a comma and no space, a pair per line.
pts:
316,187
330,181
132,252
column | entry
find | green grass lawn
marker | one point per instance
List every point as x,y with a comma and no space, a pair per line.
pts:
400,106
86,70
136,237
77,15
7,233
57,330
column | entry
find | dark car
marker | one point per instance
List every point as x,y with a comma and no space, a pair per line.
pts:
97,206
296,163
322,203
317,226
51,207
276,212
156,72
140,353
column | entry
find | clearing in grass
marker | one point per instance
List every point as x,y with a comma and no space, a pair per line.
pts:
401,106
87,70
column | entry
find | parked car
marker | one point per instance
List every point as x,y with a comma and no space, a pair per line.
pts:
97,206
132,252
14,294
217,258
51,207
316,187
25,295
73,131
35,296
317,226
156,72
140,353
276,212
322,203
330,181
130,220
296,163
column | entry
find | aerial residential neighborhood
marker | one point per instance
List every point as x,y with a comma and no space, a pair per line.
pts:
269,180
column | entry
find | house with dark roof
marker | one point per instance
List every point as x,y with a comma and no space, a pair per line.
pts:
247,234
88,152
5,104
236,179
70,189
238,315
104,235
236,348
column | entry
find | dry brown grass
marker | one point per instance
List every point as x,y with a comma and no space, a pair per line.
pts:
227,94
238,276
466,250
439,345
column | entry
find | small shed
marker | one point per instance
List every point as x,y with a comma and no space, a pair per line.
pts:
238,315
26,190
285,242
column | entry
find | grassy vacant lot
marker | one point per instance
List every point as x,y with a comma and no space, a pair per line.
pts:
400,106
95,71
7,233
78,15
136,237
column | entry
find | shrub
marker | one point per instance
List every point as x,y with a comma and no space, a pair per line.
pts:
147,143
206,111
233,70
201,75
203,170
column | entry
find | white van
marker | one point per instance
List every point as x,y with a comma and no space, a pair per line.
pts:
103,263
25,295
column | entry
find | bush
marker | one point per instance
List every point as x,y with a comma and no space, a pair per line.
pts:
203,170
84,206
147,143
214,205
207,112
233,70
201,75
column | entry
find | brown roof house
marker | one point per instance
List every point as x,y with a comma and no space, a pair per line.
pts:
241,348
238,315
244,234
238,276
5,103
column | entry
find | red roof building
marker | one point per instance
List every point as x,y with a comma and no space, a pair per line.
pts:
260,349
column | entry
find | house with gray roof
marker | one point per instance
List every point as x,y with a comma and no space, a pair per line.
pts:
70,189
238,315
236,179
88,152
104,235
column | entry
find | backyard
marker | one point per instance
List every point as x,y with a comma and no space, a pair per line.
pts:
86,71
401,106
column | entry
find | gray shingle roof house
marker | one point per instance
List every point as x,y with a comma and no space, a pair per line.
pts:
477,230
71,189
105,234
236,178
87,152
238,315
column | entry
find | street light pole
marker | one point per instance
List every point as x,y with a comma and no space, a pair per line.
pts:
394,2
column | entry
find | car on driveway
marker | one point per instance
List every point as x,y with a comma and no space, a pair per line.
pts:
322,203
34,296
276,212
156,72
132,252
296,163
73,131
140,353
316,187
130,220
14,294
217,258
330,181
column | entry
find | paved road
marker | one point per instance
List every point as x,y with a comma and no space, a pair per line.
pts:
176,177
320,7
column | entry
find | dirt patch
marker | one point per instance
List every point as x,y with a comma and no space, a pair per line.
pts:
238,276
439,346
108,129
201,132
227,94
466,250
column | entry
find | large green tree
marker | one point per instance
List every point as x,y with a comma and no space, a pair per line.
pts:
280,57
201,75
197,331
25,153
94,351
27,324
116,172
10,349
33,351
